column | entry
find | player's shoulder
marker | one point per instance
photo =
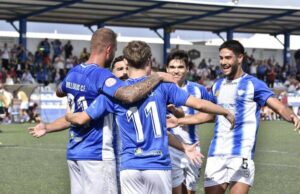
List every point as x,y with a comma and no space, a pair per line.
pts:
195,84
253,80
218,82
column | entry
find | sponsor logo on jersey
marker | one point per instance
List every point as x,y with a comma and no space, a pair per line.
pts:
138,151
110,82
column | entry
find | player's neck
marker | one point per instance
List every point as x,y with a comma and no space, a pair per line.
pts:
136,73
181,84
96,59
237,75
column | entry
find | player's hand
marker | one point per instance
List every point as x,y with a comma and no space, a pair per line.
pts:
231,119
176,111
296,122
166,77
172,121
193,154
171,108
38,131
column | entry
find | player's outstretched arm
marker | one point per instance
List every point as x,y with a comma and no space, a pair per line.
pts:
190,150
42,129
283,111
176,111
79,118
195,119
136,92
209,107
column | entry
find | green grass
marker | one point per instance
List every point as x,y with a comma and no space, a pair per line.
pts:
38,166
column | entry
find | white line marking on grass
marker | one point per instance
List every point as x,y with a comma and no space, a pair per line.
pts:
34,148
278,152
277,165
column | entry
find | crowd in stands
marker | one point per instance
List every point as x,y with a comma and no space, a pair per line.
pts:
51,61
48,64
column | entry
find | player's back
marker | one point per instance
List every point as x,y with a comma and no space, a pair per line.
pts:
143,128
82,85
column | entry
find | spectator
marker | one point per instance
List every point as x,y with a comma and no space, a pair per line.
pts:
2,75
12,74
24,117
5,102
45,47
253,69
297,59
68,48
13,52
271,76
5,56
84,55
27,77
69,63
57,49
59,63
21,54
33,112
202,64
261,71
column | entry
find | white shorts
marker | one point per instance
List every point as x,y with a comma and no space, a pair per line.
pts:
183,171
93,177
221,170
146,181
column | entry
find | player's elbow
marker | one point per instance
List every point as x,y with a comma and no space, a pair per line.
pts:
78,122
129,100
60,94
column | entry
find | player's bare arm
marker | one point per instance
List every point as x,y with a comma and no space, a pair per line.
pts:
284,112
136,92
176,111
42,129
79,118
190,150
195,119
209,107
59,92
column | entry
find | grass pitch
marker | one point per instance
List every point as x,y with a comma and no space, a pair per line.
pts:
38,166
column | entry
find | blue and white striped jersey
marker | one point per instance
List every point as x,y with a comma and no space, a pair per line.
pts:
188,133
144,141
82,85
244,97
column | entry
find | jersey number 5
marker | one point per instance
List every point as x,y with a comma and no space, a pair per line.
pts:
150,110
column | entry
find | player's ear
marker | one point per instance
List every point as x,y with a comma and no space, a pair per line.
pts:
240,58
109,49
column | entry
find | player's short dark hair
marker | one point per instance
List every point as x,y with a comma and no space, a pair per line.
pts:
137,53
180,55
116,60
235,46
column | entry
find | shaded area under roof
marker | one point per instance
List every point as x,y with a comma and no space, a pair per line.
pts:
155,14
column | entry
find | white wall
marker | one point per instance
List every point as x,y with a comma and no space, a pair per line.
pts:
157,49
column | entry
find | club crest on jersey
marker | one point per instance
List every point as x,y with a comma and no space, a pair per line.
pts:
241,92
110,82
